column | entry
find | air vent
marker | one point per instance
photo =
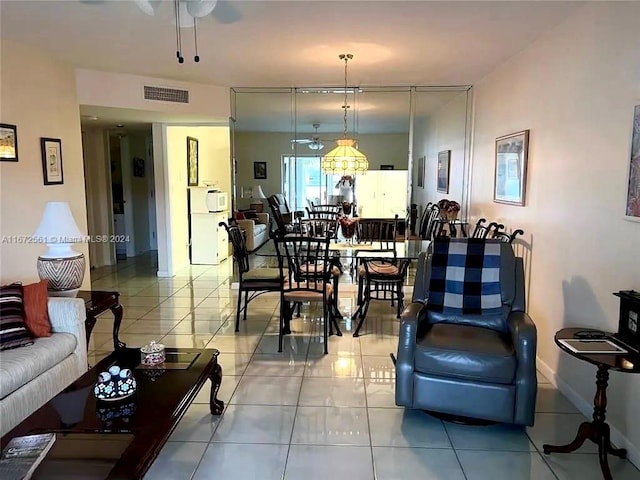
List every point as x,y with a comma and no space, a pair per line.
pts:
163,94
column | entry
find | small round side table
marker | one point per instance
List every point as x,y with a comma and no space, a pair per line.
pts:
598,429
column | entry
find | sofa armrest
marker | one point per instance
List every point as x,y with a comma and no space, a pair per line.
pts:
247,226
524,337
263,218
406,348
68,315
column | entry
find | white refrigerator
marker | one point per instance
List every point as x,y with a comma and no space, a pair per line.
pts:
208,243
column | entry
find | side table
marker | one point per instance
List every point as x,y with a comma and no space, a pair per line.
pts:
598,429
97,302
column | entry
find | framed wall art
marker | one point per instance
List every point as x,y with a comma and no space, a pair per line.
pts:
138,167
8,143
51,149
510,179
444,162
421,171
260,170
192,161
632,207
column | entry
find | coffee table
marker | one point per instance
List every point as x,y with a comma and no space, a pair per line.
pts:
120,440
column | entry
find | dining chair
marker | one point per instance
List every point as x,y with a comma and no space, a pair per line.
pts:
482,230
309,275
504,236
251,281
430,222
379,277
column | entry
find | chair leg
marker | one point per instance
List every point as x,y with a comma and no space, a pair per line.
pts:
334,322
286,318
336,281
281,324
400,299
238,311
326,328
246,304
299,306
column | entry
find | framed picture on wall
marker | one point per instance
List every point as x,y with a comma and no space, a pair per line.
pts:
444,162
138,167
421,171
387,167
8,143
51,149
260,170
511,168
192,161
632,210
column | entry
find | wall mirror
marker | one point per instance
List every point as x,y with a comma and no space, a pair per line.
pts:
291,128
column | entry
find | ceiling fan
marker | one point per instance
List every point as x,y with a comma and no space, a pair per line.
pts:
314,142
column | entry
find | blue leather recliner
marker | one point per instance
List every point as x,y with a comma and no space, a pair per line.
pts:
477,365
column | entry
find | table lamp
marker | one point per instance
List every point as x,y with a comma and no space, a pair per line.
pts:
61,265
258,194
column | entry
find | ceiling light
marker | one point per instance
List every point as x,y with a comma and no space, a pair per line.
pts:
120,125
345,159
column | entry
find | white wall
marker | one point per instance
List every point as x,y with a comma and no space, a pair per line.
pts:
214,166
575,89
95,150
444,129
38,95
109,89
252,147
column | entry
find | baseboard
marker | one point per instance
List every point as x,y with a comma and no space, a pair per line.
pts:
586,408
163,274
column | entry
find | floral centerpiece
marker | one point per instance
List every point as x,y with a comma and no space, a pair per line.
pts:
449,209
347,226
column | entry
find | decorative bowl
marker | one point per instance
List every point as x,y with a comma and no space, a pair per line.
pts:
115,385
152,354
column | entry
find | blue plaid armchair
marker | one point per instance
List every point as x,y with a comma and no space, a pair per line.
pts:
467,347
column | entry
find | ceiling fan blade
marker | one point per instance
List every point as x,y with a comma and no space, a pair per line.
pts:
146,6
200,8
226,12
302,140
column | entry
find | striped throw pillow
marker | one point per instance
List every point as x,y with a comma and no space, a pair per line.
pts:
13,331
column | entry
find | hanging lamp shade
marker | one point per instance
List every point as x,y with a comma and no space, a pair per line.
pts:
345,159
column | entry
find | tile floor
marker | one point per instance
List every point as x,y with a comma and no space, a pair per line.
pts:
302,415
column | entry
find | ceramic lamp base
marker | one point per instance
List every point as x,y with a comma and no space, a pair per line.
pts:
65,275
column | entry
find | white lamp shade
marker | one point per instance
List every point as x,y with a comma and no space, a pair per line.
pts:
57,225
257,192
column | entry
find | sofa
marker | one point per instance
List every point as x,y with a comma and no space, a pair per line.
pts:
30,376
256,229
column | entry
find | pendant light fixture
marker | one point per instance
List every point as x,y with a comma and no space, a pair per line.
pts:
345,159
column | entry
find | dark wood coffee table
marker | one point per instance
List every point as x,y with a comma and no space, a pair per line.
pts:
120,440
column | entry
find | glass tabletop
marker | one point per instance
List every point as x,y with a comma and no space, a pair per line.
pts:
407,249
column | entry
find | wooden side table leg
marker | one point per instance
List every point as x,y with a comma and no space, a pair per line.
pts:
216,406
117,321
597,430
89,323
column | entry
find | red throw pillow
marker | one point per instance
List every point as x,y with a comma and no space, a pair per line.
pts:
240,216
35,309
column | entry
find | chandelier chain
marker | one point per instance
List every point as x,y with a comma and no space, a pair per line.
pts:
346,60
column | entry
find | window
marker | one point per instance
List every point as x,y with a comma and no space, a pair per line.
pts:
304,182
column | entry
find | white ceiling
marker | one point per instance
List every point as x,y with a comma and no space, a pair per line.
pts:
292,44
